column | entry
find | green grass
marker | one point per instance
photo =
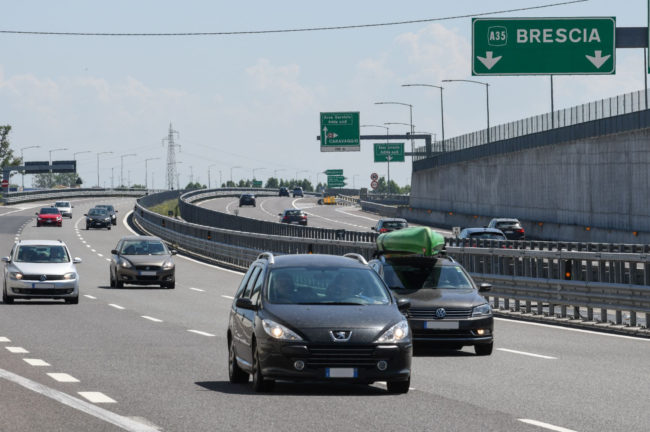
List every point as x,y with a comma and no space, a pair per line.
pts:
166,206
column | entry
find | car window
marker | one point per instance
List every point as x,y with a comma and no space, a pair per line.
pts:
487,236
326,285
395,224
244,282
143,247
257,288
506,225
251,282
42,254
425,275
62,204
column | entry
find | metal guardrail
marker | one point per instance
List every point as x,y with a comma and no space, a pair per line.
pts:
549,245
54,194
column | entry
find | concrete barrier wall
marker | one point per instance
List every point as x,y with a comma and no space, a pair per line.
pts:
592,189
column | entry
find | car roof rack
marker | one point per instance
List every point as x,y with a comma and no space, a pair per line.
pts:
357,257
267,256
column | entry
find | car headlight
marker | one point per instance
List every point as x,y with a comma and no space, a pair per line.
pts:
482,310
278,331
125,263
71,275
15,275
396,333
107,219
58,218
169,264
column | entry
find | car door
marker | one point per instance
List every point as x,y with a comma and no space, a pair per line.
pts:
243,319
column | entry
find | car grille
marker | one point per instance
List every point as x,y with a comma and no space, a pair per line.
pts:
44,291
345,356
146,278
437,334
37,277
148,268
430,313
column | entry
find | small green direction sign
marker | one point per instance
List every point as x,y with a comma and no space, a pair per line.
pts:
257,183
339,131
335,179
542,46
332,172
389,151
336,184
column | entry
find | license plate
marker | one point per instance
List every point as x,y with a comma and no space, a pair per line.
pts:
508,232
43,285
444,325
341,372
147,273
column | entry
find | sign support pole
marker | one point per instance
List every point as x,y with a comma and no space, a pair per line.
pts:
552,106
645,74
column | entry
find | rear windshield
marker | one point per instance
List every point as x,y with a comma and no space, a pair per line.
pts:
62,204
425,274
395,224
506,225
42,254
487,236
326,285
50,210
294,213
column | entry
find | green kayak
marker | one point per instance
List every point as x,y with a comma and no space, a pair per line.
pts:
413,240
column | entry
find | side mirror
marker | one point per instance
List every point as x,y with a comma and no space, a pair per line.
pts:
71,206
6,259
115,252
173,251
85,214
36,214
77,260
403,304
245,303
484,287
279,214
116,211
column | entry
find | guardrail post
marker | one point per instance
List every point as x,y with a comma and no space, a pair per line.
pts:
540,308
619,317
647,320
528,306
632,319
563,311
576,312
590,314
551,309
603,315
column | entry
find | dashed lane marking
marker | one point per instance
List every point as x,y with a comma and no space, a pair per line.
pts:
62,377
17,350
108,259
116,306
4,339
151,318
197,289
97,397
201,333
90,297
527,354
36,362
93,250
228,297
545,425
100,255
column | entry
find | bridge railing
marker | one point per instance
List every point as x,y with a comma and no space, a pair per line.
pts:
54,194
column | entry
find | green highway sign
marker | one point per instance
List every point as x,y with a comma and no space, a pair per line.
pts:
257,183
334,172
335,178
394,151
336,185
339,131
544,46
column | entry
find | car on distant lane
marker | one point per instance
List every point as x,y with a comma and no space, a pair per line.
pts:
510,227
482,234
49,216
389,224
111,212
283,192
65,208
297,191
247,199
38,269
98,218
293,216
142,260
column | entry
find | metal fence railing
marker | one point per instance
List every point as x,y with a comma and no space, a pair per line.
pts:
54,194
596,110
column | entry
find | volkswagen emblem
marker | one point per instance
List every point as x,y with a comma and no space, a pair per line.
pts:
441,313
340,335
43,278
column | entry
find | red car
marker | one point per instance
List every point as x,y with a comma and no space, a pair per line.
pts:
49,216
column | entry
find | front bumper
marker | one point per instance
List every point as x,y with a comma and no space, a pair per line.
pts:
467,331
323,362
98,224
49,222
145,277
46,289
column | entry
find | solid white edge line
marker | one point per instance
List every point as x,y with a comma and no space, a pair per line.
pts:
116,306
36,362
62,377
546,425
151,318
596,333
124,219
201,333
526,354
78,404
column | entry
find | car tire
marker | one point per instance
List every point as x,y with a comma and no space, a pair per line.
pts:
119,284
483,349
169,285
72,300
260,384
38,224
398,387
236,374
5,298
112,281
109,227
87,227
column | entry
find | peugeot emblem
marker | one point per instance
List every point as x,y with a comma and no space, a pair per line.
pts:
441,313
340,335
43,278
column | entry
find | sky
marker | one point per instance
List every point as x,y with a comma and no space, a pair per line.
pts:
252,102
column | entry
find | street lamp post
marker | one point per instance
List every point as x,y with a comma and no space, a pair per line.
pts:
410,117
354,181
122,167
146,172
22,161
442,111
388,157
232,168
487,99
51,151
98,154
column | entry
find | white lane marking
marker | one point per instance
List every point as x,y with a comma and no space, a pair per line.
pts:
229,204
87,245
108,259
573,329
93,250
526,353
116,306
228,297
17,350
201,333
345,212
210,265
100,255
97,397
36,362
4,339
545,425
90,297
78,404
83,241
151,318
126,216
265,211
197,289
62,377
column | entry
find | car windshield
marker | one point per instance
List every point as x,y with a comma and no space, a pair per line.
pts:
62,204
50,210
487,236
507,225
97,212
143,247
42,254
425,274
326,285
293,213
108,208
394,224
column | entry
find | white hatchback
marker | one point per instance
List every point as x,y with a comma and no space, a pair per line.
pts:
65,208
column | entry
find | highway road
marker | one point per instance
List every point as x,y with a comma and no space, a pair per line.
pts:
147,359
351,218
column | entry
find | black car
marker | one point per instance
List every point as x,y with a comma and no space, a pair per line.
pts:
317,317
284,192
511,228
293,216
98,218
111,211
447,308
297,191
482,234
247,199
389,224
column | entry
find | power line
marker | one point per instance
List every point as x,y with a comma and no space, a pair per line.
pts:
296,30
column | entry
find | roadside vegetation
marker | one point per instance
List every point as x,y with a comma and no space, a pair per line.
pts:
165,207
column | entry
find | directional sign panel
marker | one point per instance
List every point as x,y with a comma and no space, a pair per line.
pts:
392,151
335,178
339,131
336,185
334,172
257,183
544,46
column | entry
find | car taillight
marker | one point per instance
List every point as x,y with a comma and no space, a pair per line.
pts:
383,230
520,230
304,216
285,218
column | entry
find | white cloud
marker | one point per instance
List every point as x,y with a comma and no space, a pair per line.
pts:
279,86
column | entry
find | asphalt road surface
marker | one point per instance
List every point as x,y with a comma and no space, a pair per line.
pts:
146,359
